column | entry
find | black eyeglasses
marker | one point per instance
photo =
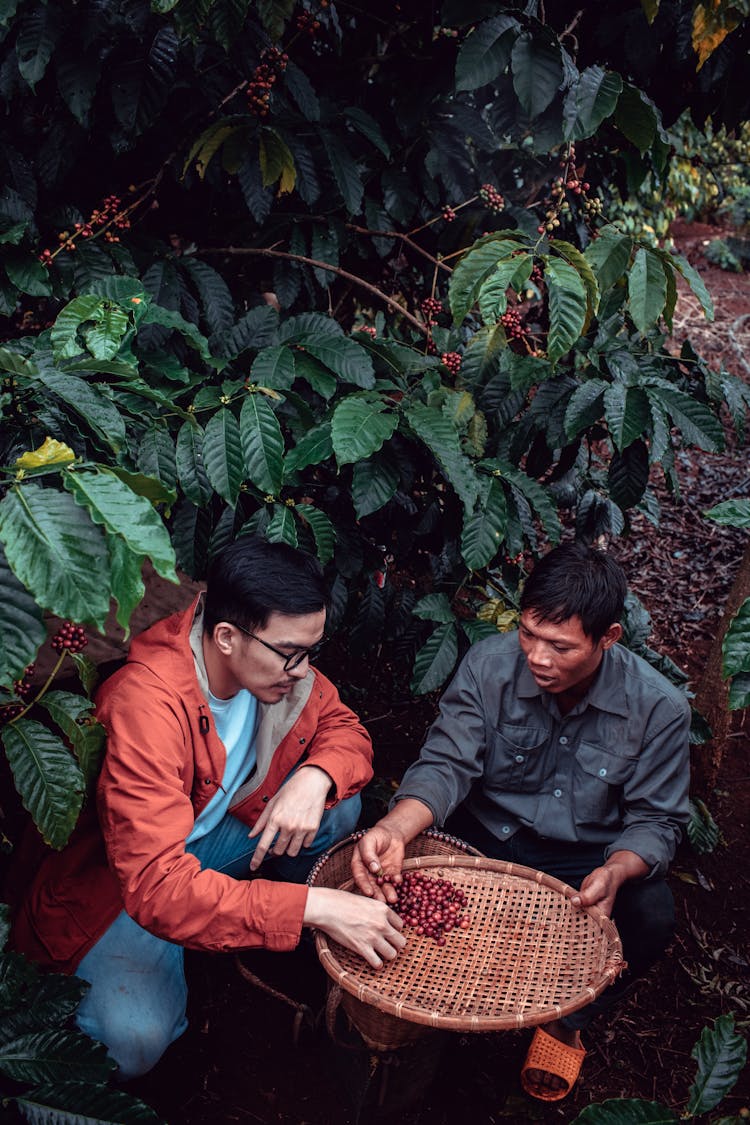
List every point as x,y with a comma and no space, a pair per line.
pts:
291,660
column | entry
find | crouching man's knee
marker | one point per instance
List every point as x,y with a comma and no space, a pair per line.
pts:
645,918
136,1046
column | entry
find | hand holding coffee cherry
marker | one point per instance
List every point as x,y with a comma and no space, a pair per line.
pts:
432,907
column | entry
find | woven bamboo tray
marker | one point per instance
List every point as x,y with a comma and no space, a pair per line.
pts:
528,957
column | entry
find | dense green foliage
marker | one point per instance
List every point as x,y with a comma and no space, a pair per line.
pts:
48,1070
345,279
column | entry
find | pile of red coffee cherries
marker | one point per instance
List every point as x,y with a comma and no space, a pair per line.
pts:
431,907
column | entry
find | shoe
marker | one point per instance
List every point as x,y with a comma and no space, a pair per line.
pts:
550,1055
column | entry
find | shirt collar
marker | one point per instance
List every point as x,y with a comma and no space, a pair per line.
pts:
605,693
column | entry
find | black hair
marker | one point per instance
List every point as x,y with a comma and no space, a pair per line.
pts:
575,580
252,578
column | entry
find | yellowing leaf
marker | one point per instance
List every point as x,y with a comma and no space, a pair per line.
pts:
710,28
276,162
50,452
207,145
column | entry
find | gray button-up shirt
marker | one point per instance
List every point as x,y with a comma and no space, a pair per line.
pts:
613,771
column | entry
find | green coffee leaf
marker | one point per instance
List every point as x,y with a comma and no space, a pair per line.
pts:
483,532
647,289
360,426
567,307
537,72
374,482
736,645
323,530
731,513
123,512
262,444
609,255
281,528
81,1103
22,629
434,607
485,52
443,440
56,552
189,463
53,1056
222,455
49,782
313,448
435,660
721,1054
274,367
475,267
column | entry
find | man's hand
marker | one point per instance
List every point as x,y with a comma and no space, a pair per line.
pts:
368,928
292,817
601,885
381,850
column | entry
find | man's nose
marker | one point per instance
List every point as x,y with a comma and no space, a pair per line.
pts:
300,671
539,655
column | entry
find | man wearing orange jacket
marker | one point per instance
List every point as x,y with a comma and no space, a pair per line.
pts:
227,754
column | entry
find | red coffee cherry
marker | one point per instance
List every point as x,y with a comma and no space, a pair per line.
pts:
451,360
492,198
432,907
69,638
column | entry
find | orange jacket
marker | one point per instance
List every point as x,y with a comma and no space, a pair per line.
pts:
164,760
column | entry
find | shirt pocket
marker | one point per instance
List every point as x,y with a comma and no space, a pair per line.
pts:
518,759
599,781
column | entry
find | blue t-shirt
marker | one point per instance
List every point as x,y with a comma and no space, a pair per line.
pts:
235,720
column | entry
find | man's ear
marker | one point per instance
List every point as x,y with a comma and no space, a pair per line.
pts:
612,635
224,637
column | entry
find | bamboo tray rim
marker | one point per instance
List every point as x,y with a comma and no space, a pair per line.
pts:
363,983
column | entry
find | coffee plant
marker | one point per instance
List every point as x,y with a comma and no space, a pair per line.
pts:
50,1071
720,1054
253,287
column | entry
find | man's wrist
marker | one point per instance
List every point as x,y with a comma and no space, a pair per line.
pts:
408,817
327,784
628,865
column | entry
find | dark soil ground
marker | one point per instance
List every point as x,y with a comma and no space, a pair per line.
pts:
244,1059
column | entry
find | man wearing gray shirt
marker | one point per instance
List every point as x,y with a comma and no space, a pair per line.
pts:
557,748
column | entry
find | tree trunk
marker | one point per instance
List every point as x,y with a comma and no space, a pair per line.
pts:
712,693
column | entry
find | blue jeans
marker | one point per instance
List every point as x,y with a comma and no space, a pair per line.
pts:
137,1002
643,911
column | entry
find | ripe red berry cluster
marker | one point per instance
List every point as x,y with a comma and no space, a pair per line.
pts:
432,907
451,360
107,215
368,329
448,214
69,638
431,308
537,276
273,63
24,687
492,197
307,23
511,322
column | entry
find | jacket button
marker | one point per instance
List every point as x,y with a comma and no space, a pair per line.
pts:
266,800
207,781
302,742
